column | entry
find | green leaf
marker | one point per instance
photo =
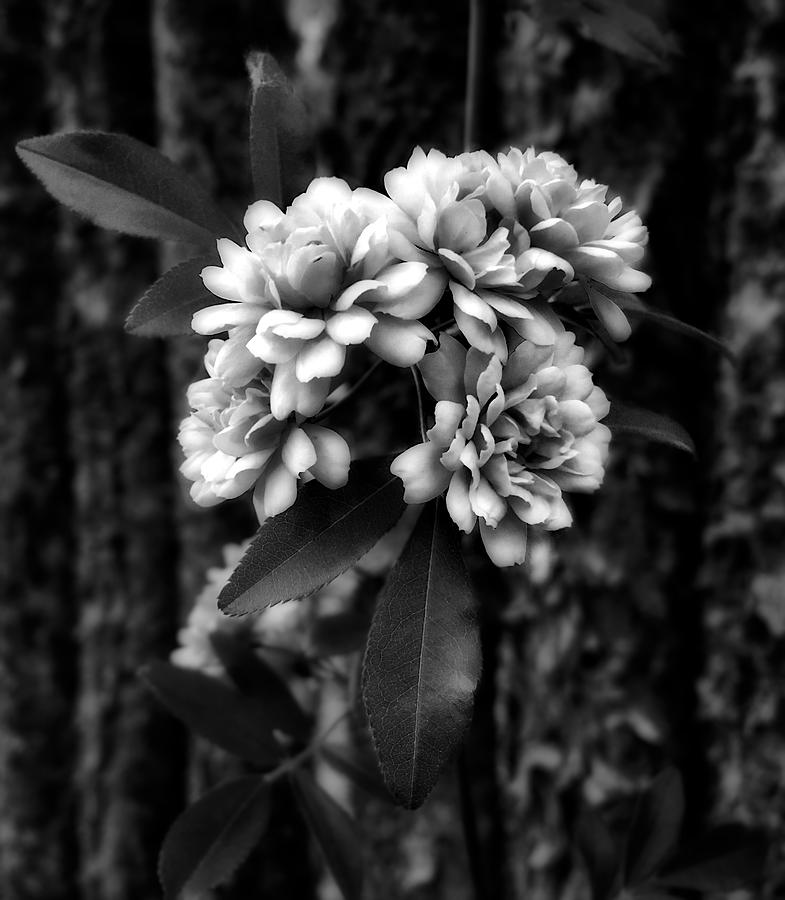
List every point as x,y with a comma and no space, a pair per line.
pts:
623,419
212,838
120,183
325,532
279,133
167,306
600,853
727,858
422,662
655,828
334,832
237,723
255,678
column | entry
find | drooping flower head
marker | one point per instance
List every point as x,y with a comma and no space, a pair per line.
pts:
509,438
315,280
233,442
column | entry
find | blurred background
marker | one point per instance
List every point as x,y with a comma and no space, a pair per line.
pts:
651,633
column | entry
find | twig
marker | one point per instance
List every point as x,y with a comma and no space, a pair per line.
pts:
469,822
416,376
474,74
294,762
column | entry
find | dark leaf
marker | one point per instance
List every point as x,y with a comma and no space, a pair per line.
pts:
725,859
655,828
120,183
422,662
599,851
167,307
359,770
237,723
279,133
334,831
635,308
255,678
325,532
623,419
207,843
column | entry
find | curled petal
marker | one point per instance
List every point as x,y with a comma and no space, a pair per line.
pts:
275,491
506,543
352,326
423,476
448,416
442,370
332,456
399,341
458,504
215,319
321,358
288,394
297,452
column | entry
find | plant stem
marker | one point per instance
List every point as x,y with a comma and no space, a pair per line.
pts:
474,74
418,387
469,822
294,762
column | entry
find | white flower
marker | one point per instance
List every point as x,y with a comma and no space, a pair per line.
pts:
508,439
316,280
232,442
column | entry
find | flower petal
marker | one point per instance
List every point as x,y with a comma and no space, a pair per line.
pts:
442,370
401,342
297,452
423,476
506,543
332,456
321,358
352,326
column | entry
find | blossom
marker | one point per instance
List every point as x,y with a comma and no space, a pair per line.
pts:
509,439
314,281
232,442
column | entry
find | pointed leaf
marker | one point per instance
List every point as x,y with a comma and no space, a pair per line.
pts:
655,828
236,723
727,858
122,184
212,838
334,831
599,851
325,532
255,678
623,419
422,663
279,134
167,307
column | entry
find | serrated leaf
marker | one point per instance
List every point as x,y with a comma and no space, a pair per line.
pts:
237,723
623,419
212,838
422,662
279,133
362,772
167,307
655,828
325,532
122,184
334,832
725,859
600,853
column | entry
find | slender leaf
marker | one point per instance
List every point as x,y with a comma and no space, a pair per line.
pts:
122,184
655,828
279,133
725,859
623,419
600,853
237,723
207,843
422,662
362,772
334,831
167,306
254,677
325,532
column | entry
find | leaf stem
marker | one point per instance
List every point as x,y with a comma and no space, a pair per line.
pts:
474,74
294,762
469,822
418,388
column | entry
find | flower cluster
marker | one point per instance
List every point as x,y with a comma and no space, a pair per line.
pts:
480,241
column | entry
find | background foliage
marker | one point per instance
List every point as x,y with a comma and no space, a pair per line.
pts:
651,633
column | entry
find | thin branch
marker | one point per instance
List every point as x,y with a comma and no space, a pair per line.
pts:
418,387
469,822
474,74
